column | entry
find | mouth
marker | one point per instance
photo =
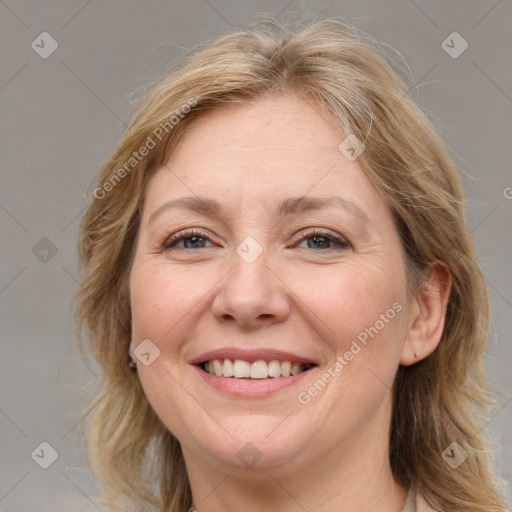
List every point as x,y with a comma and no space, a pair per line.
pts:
252,373
257,370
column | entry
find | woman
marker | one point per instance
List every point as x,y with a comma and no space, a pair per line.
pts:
282,293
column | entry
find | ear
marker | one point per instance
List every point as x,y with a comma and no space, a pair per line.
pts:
427,311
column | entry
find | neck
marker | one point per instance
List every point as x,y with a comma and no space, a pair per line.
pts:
354,476
299,492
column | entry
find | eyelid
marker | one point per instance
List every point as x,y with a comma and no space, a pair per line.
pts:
310,232
302,235
185,233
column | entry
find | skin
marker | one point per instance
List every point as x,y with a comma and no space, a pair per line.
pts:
332,453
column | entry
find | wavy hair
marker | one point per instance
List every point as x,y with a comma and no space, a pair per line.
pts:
440,400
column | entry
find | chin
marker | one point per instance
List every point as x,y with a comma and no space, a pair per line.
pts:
256,441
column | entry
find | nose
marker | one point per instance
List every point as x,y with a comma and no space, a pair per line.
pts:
251,295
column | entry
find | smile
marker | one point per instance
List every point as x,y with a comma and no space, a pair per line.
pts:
240,369
252,373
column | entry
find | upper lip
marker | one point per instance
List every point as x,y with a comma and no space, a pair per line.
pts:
251,355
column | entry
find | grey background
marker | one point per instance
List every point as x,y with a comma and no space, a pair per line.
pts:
61,116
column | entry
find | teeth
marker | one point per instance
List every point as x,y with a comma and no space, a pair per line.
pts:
285,368
274,369
296,367
227,368
241,369
256,370
217,367
259,370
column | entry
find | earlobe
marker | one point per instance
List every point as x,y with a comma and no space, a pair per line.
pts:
427,314
132,362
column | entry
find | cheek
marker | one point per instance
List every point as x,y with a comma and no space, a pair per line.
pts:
162,299
162,304
361,309
353,299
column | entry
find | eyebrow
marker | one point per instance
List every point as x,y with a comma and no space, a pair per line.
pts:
290,206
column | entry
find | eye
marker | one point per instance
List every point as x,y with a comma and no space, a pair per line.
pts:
322,239
192,239
317,239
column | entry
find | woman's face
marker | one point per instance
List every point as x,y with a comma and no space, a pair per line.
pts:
261,242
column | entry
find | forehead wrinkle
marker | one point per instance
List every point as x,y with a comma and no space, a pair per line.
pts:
291,206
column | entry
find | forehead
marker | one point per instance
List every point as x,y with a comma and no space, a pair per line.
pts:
262,151
274,127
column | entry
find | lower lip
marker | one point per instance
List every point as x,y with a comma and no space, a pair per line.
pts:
251,387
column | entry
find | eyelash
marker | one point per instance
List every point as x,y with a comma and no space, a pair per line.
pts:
303,235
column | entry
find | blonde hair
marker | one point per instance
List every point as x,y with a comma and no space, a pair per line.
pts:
437,401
